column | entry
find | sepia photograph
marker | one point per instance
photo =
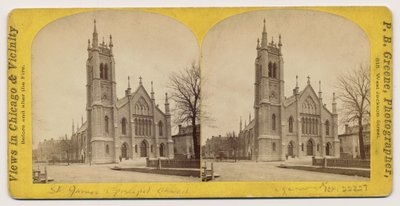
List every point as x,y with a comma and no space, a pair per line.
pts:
115,98
288,98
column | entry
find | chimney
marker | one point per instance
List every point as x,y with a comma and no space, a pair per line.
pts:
347,129
179,128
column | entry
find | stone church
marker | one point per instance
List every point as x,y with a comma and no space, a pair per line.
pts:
127,128
296,126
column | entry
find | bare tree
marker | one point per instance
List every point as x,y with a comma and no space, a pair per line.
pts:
185,87
354,92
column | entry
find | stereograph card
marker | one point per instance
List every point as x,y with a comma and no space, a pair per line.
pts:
200,102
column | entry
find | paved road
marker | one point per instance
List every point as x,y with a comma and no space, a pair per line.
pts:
268,171
80,173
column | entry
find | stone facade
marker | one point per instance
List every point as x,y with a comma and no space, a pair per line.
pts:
127,128
297,126
183,142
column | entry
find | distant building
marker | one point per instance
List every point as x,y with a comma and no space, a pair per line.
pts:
52,150
183,142
220,147
350,144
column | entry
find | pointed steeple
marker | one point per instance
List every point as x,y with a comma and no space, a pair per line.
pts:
334,103
95,39
280,42
166,104
73,127
240,124
128,90
320,90
152,91
111,45
264,39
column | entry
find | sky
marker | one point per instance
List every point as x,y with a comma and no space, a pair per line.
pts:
148,45
320,45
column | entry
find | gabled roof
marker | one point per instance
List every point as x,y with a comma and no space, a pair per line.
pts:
250,125
82,128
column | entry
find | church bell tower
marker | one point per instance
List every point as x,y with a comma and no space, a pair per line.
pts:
100,100
269,97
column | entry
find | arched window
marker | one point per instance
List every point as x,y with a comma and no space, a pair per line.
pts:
123,126
302,146
107,149
135,148
273,146
136,127
274,70
327,127
101,71
312,126
273,122
291,124
160,128
302,125
106,124
105,71
269,69
141,126
150,126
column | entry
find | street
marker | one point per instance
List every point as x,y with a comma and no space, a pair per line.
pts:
268,171
83,173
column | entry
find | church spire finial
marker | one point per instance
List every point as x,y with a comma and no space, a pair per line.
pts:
258,43
297,81
334,104
240,124
111,43
166,104
308,79
320,90
95,36
280,42
264,28
264,39
94,29
140,80
129,82
152,91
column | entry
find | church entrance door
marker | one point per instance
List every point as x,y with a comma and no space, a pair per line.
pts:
162,150
124,150
310,148
143,149
328,149
290,149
